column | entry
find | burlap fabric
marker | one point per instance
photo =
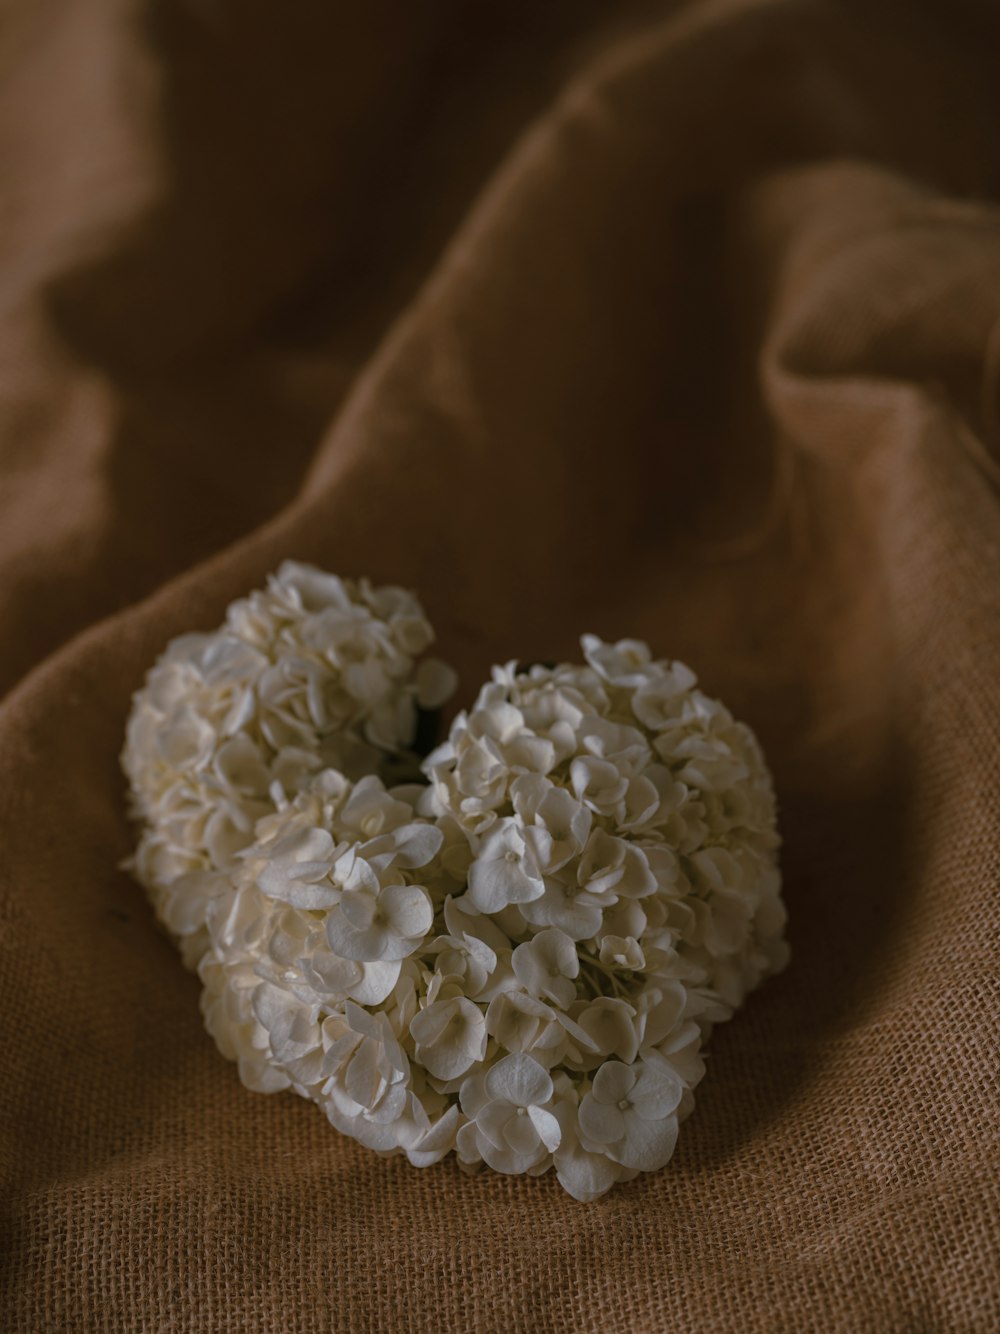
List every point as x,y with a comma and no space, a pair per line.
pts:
674,322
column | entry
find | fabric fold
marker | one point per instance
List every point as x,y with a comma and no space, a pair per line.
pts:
676,323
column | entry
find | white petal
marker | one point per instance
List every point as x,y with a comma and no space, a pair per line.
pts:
436,1142
520,1135
647,1145
362,1079
578,1034
363,1022
558,947
656,1092
637,879
270,1004
519,1080
261,1076
436,683
493,885
511,1163
408,908
546,1126
527,793
332,976
462,920
365,945
601,1122
614,1081
528,969
307,845
467,1143
586,1176
377,983
300,893
517,1020
492,1122
427,1025
473,1096
609,1022
416,844
358,908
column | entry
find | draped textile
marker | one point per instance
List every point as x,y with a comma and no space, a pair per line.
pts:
671,321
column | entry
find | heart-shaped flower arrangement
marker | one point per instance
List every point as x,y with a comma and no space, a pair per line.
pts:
514,948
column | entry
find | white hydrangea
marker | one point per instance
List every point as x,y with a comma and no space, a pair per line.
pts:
519,959
311,672
516,954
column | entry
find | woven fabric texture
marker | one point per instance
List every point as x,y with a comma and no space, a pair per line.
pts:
672,321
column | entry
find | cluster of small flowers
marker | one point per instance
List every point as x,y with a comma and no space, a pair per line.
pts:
520,958
308,673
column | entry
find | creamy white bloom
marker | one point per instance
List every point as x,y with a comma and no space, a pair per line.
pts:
553,825
519,959
450,1035
586,1175
504,870
511,1125
546,966
310,671
629,1113
374,922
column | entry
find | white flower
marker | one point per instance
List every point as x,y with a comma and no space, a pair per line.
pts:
626,663
227,1008
546,965
657,703
327,976
584,1174
629,1113
293,1032
620,743
520,1023
372,922
614,864
312,670
504,871
510,1123
465,955
450,1036
520,959
609,1023
298,867
436,1141
371,810
622,952
554,827
659,1010
567,907
366,1074
599,784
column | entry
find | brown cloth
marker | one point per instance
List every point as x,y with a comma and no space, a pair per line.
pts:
680,322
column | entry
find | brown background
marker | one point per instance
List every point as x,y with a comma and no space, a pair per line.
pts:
673,321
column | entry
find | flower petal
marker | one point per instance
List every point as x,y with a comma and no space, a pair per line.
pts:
614,1081
520,1080
379,977
492,1120
585,1175
415,844
363,1079
647,1145
494,884
601,1122
546,1126
408,909
656,1092
519,1133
